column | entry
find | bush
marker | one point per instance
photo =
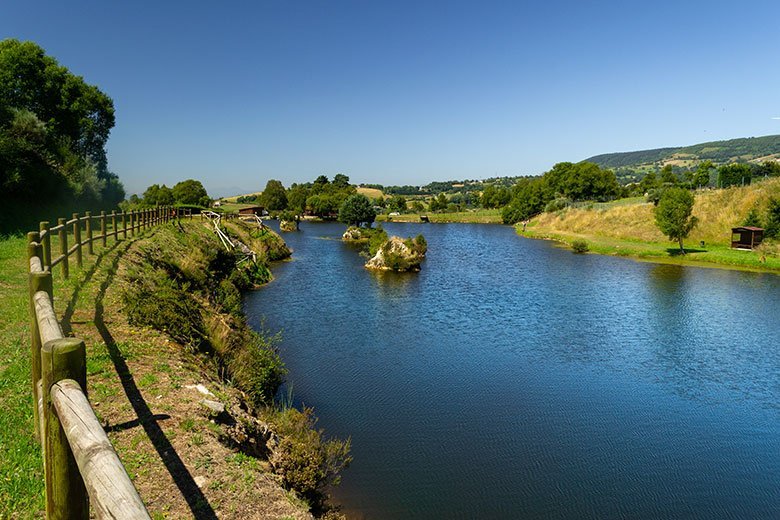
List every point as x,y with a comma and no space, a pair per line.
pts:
557,204
579,246
306,461
773,219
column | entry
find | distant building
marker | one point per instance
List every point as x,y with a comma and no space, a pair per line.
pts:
217,204
253,210
746,237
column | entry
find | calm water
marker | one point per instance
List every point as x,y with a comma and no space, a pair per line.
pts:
513,379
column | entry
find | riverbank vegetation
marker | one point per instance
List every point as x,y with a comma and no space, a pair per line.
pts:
181,384
186,285
629,229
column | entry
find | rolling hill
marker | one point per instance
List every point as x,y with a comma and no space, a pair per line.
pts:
636,164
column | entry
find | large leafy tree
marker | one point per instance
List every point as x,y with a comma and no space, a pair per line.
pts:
190,192
156,195
274,196
673,214
53,130
357,210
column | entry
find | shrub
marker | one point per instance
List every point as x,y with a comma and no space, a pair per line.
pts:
306,461
255,366
579,246
377,237
752,219
157,301
557,204
773,219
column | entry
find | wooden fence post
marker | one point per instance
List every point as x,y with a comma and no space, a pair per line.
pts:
77,239
124,225
113,225
46,243
38,282
103,227
88,228
34,249
66,495
63,234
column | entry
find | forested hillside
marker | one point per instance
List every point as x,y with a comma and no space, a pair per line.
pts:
631,166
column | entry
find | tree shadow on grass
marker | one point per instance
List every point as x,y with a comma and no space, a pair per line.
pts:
196,500
675,251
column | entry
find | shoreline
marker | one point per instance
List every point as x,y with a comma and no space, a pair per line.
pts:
714,256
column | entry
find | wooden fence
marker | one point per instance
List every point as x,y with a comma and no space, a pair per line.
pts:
79,462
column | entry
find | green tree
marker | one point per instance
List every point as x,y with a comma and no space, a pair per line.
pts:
529,198
274,196
53,132
649,182
702,175
357,210
752,219
341,181
673,214
439,203
156,195
191,192
772,229
397,203
735,174
667,175
296,198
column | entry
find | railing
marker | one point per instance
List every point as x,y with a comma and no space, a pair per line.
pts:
79,462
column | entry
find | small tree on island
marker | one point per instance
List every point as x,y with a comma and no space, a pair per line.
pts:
673,214
357,210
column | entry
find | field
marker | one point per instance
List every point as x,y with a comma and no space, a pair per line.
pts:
371,193
627,228
482,216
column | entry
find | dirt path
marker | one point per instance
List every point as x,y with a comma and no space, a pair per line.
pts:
186,459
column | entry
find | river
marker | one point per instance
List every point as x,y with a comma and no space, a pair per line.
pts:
513,379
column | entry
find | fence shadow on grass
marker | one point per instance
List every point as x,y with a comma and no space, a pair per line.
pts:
192,494
70,308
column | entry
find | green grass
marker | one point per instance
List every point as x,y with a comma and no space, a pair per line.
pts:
711,255
481,216
21,475
21,466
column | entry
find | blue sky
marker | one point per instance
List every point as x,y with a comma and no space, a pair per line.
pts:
236,93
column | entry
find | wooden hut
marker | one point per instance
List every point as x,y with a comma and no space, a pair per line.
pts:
252,210
746,237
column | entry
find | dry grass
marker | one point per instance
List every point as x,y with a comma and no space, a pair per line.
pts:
371,193
717,210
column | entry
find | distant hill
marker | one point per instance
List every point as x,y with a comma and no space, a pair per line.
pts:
630,166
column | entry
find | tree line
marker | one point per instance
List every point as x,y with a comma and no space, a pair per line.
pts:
53,131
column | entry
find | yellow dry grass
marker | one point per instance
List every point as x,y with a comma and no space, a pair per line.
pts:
371,193
717,210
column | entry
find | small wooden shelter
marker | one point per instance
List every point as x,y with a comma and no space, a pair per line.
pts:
252,210
746,237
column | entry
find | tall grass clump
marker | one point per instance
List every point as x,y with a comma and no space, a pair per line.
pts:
185,284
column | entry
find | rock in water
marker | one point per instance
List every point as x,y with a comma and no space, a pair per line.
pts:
399,255
288,225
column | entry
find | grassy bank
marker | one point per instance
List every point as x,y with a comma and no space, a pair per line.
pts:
482,216
628,229
180,398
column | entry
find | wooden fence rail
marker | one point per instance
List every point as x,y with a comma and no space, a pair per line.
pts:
79,462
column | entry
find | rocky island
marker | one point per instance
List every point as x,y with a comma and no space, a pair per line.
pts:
388,253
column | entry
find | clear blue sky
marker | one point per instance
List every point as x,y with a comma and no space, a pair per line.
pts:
236,93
